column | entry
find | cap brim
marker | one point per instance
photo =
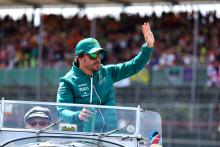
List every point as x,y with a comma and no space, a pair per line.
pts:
94,50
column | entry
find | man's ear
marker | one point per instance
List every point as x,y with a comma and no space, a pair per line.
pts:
79,58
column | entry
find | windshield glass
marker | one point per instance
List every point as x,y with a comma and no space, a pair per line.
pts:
64,118
39,116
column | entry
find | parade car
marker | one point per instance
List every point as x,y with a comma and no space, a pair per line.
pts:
107,126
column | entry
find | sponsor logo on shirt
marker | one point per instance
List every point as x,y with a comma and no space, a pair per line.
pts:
84,89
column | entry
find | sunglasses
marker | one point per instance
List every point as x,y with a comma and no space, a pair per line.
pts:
95,55
39,123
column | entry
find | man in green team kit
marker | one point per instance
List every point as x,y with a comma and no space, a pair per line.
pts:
90,82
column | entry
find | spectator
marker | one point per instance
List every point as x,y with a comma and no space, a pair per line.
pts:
122,39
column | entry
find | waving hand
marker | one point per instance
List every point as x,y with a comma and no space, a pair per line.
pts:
148,35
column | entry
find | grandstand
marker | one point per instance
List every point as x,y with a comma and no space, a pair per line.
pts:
181,81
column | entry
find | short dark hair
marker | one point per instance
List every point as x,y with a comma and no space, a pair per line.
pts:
76,62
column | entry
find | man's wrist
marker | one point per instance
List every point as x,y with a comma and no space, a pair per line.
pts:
150,45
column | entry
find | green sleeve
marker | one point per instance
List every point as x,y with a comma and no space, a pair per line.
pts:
65,95
124,70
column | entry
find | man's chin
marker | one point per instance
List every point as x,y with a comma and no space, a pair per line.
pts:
96,68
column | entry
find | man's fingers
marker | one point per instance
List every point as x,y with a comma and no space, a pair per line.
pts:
146,27
88,112
148,35
84,119
85,114
85,110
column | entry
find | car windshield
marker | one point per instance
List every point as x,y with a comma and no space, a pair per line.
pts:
43,118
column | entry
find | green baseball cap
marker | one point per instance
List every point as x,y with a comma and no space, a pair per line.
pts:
88,45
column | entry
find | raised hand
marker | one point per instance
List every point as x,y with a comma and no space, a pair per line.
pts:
148,35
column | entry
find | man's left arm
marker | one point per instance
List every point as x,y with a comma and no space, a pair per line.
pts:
127,69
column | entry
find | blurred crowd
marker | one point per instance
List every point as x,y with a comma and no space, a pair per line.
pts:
174,33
